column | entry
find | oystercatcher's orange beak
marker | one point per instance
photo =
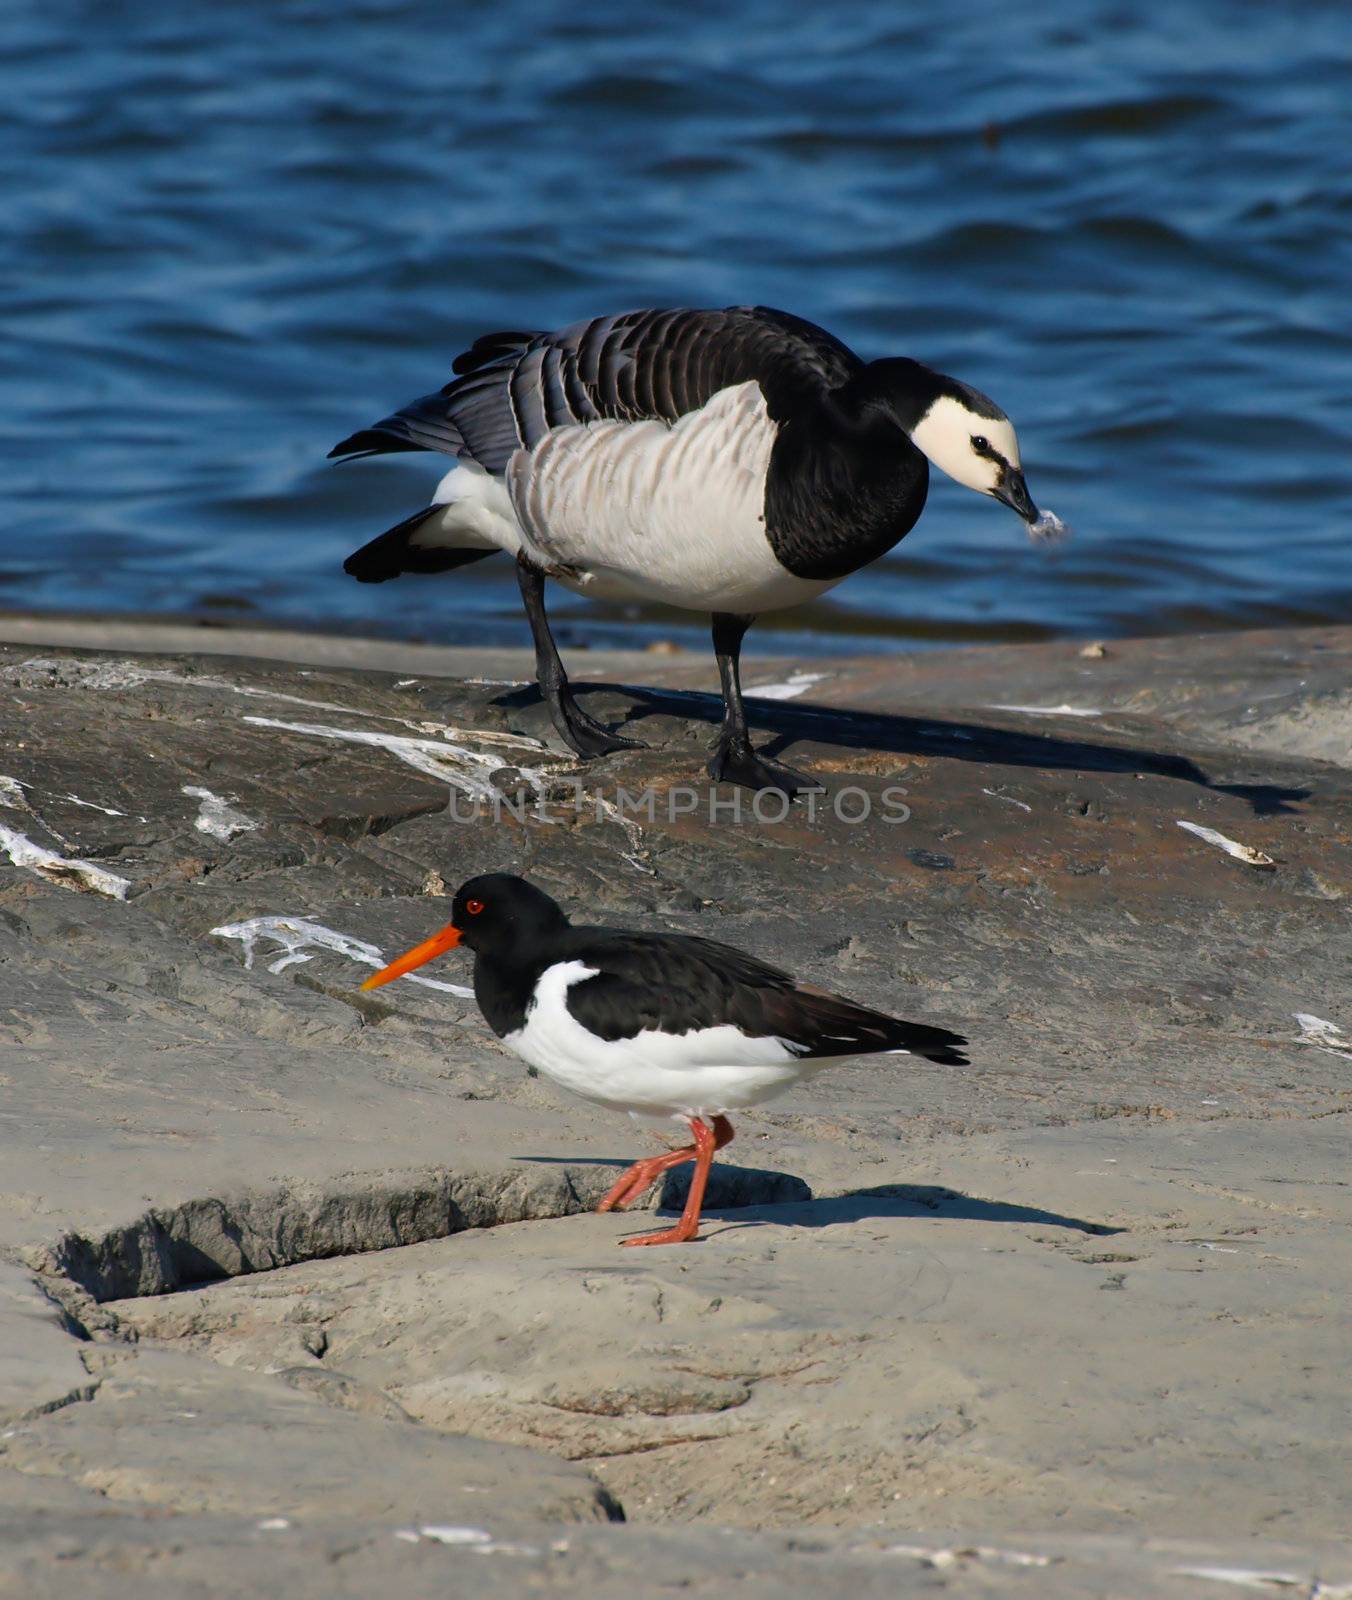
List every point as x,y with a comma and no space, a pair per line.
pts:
437,945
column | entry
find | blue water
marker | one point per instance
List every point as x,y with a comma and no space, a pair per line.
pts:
233,233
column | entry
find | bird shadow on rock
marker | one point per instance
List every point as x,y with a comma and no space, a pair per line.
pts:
897,734
900,1200
761,1195
728,1185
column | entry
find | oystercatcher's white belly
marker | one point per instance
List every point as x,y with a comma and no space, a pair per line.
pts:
696,1074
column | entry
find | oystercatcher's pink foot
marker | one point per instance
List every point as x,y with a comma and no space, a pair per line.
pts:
682,1233
706,1142
660,1024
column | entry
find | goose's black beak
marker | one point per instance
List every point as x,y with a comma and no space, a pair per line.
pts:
1013,492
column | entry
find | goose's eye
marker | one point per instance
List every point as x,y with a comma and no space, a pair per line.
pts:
474,907
980,443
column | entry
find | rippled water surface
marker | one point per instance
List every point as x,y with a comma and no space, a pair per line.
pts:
232,233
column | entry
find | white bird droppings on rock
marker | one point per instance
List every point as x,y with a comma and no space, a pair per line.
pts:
1249,1578
515,741
1232,847
944,1557
299,937
69,872
795,684
1008,799
12,795
218,817
131,674
454,764
1326,1036
1062,710
477,1540
93,805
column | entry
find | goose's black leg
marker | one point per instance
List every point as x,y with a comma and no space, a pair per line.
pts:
579,731
733,760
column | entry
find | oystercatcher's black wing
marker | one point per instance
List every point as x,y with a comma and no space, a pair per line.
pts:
514,387
678,984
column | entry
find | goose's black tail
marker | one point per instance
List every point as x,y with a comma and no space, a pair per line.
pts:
395,552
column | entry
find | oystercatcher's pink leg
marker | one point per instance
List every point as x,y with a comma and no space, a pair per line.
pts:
635,1180
639,1178
707,1140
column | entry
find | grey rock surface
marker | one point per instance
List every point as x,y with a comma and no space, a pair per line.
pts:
110,1556
1077,1301
1062,1355
165,1430
40,1365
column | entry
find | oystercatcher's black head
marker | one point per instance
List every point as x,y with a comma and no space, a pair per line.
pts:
499,910
496,914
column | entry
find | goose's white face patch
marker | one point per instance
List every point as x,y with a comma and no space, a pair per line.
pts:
972,449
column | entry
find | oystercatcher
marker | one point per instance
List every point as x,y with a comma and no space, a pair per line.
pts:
733,461
660,1025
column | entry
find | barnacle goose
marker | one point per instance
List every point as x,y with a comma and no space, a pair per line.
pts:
735,462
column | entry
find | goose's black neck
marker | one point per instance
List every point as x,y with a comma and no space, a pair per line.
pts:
845,482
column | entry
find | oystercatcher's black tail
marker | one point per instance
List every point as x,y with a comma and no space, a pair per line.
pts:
815,1023
935,1044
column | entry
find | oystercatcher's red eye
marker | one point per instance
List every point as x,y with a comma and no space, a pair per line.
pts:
474,907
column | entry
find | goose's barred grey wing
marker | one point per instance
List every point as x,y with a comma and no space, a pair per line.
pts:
491,347
514,388
677,984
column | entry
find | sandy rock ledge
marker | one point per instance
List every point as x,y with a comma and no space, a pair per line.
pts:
300,1289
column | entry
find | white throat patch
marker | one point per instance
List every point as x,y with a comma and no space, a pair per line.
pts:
945,433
